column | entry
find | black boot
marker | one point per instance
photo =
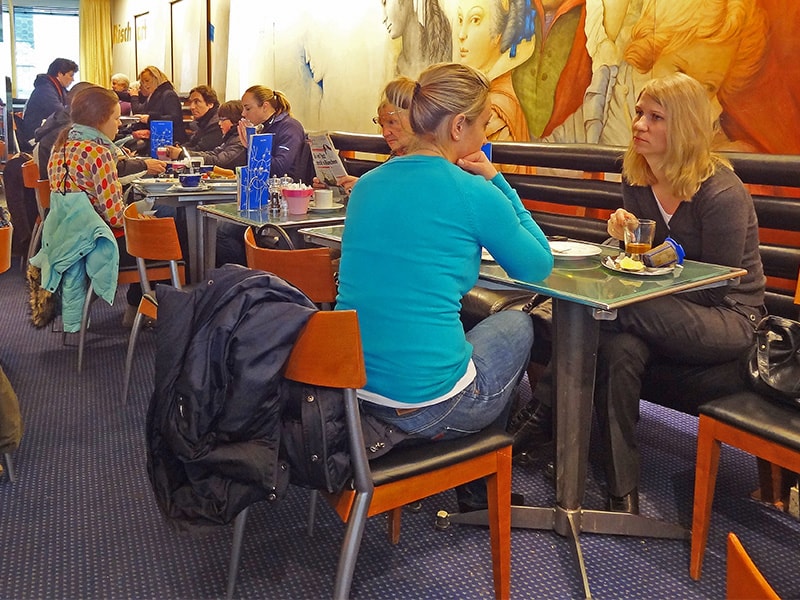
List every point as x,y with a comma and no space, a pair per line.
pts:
629,503
532,429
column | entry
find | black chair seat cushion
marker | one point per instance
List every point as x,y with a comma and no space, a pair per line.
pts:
480,302
685,387
756,414
410,459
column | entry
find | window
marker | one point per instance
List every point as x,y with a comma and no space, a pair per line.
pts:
43,33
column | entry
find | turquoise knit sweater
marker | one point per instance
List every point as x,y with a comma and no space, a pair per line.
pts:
411,249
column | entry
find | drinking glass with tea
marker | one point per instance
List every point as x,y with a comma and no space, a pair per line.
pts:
639,235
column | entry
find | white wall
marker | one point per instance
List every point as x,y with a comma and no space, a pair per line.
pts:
331,59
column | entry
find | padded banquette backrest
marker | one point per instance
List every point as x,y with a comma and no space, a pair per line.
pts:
572,188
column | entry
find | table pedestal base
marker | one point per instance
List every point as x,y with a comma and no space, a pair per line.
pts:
571,523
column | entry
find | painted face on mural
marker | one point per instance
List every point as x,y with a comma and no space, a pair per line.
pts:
395,16
478,46
705,62
650,129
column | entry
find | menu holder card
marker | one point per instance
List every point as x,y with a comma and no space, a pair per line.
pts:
251,192
259,153
327,164
160,135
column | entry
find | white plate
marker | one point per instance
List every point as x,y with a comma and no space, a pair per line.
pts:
155,185
221,184
486,256
608,263
179,188
573,250
332,208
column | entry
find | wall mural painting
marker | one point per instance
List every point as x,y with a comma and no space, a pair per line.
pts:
424,30
570,70
564,71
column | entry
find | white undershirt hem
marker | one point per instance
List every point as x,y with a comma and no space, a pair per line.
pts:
460,385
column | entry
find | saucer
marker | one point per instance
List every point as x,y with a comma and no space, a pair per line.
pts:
609,263
332,208
573,250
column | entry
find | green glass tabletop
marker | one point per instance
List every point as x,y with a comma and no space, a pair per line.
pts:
585,281
229,211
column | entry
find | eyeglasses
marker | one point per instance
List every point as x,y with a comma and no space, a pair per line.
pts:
393,122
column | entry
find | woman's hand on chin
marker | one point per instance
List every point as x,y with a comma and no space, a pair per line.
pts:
478,164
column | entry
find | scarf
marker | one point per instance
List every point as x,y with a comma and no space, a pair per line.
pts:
86,133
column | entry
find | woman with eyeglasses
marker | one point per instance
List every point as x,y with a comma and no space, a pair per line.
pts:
393,120
230,153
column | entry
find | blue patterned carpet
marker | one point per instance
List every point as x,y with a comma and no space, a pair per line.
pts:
81,522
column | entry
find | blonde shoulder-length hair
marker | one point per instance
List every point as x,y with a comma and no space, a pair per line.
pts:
689,159
157,74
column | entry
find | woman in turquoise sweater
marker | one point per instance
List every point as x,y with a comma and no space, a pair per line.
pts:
412,248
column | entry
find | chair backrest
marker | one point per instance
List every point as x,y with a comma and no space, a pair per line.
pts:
43,194
328,352
744,580
30,174
151,238
308,269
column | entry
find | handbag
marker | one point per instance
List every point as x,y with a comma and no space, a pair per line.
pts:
773,368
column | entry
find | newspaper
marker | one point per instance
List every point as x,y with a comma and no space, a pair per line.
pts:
327,164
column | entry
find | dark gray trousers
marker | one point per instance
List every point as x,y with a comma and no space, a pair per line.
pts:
643,333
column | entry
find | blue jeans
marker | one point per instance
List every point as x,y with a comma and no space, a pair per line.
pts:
501,345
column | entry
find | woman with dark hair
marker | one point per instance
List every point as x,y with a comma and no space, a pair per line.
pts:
83,160
230,153
425,376
162,104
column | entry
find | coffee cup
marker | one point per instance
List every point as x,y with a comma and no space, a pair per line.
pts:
323,198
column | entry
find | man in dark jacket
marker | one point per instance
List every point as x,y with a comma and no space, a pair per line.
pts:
49,95
203,104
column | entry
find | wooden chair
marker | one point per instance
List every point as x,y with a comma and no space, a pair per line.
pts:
743,579
41,187
150,239
328,353
752,423
309,269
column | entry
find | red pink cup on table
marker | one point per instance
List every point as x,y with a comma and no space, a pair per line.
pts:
297,197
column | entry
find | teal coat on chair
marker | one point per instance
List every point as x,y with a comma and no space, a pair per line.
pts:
76,243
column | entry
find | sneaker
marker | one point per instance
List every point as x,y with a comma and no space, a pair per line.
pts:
532,429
